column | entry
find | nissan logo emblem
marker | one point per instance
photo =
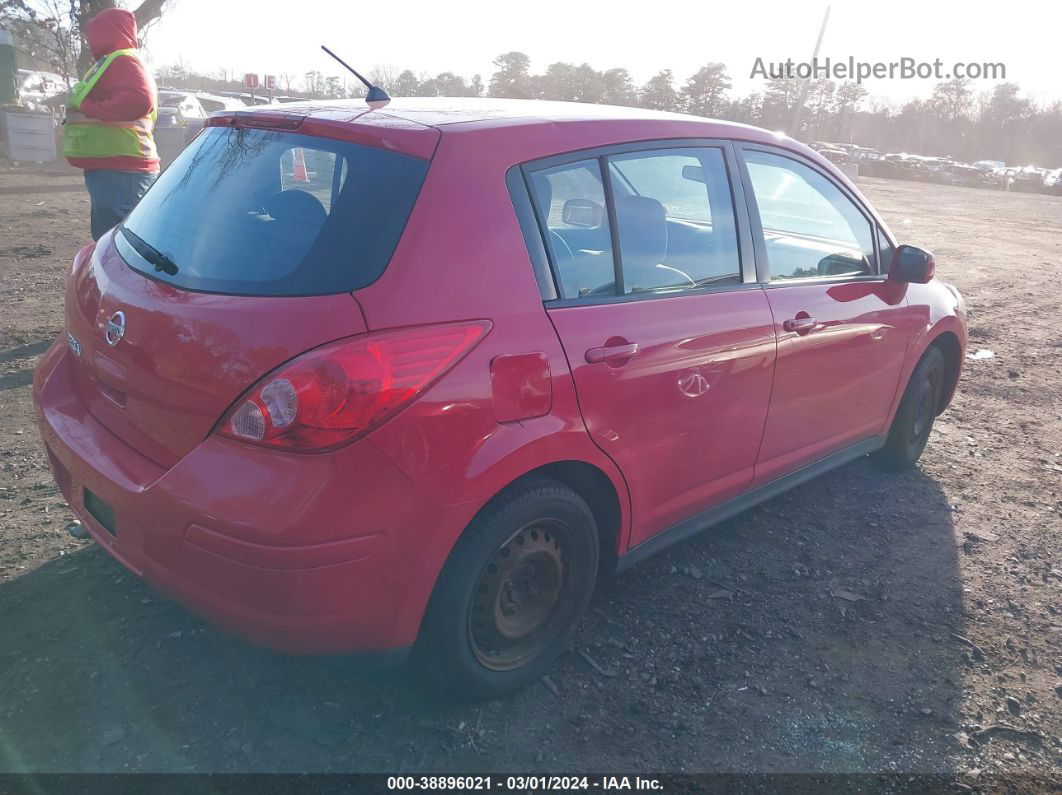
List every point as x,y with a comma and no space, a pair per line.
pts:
115,329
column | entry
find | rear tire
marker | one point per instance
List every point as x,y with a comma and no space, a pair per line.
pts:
913,422
514,589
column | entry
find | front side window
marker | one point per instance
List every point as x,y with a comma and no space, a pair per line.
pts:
810,228
885,251
261,212
674,219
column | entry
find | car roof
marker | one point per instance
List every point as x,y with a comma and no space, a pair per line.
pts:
531,129
457,113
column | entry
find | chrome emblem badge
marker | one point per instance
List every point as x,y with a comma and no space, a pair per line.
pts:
693,384
115,329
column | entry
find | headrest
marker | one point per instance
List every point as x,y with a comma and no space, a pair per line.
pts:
296,206
544,191
642,225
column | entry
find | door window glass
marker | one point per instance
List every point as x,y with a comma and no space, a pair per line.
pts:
885,252
810,227
570,201
674,220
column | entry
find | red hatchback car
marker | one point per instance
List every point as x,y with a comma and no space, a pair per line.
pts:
412,379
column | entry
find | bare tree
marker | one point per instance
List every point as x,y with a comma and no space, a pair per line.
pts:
81,11
60,42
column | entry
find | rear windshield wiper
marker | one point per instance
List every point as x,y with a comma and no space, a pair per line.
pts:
161,261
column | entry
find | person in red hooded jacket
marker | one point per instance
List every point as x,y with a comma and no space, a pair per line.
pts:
109,121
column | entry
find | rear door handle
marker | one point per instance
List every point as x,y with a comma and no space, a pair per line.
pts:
612,354
801,325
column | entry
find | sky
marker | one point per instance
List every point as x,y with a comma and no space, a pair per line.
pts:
273,36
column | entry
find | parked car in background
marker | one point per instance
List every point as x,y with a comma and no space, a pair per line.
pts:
41,90
1053,181
411,379
960,174
190,109
989,165
181,115
179,107
925,168
1029,179
912,167
884,165
837,156
177,112
213,103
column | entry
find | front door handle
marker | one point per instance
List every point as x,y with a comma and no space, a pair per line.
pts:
612,354
802,324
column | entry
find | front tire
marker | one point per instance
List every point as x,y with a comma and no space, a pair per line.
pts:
913,422
514,589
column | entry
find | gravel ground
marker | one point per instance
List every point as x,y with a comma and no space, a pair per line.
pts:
863,623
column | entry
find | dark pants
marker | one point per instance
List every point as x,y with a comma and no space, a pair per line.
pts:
113,195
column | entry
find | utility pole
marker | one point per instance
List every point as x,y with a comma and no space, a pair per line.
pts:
798,111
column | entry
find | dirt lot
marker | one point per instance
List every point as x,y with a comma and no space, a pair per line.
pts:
866,622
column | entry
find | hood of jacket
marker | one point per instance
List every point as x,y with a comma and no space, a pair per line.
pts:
110,30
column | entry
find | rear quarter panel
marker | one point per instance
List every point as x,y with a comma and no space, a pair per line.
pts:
463,257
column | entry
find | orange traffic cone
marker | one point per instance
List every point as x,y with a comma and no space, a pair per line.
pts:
298,166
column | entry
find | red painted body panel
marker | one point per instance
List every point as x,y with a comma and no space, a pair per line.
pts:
185,356
935,310
304,553
521,386
683,417
833,385
340,551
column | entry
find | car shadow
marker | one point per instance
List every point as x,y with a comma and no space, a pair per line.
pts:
25,351
21,190
814,633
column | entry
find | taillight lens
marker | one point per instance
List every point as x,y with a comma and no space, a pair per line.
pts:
337,392
82,257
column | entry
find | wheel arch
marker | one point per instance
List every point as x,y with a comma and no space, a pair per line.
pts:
948,344
595,487
589,481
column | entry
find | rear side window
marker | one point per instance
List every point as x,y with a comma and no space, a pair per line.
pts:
570,200
673,214
260,212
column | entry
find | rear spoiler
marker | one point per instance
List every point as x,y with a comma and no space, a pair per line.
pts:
367,127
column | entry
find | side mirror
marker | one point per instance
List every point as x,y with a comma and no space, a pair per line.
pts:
582,212
911,265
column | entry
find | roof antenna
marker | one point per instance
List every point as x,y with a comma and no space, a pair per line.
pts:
377,97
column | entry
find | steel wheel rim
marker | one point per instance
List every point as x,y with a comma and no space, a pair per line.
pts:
522,595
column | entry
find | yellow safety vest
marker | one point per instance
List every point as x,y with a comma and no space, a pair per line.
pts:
92,138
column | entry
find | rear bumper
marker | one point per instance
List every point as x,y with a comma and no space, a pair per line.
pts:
299,553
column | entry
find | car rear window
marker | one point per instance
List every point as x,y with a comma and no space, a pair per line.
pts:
261,212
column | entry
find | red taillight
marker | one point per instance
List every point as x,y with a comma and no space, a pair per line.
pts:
342,390
82,257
